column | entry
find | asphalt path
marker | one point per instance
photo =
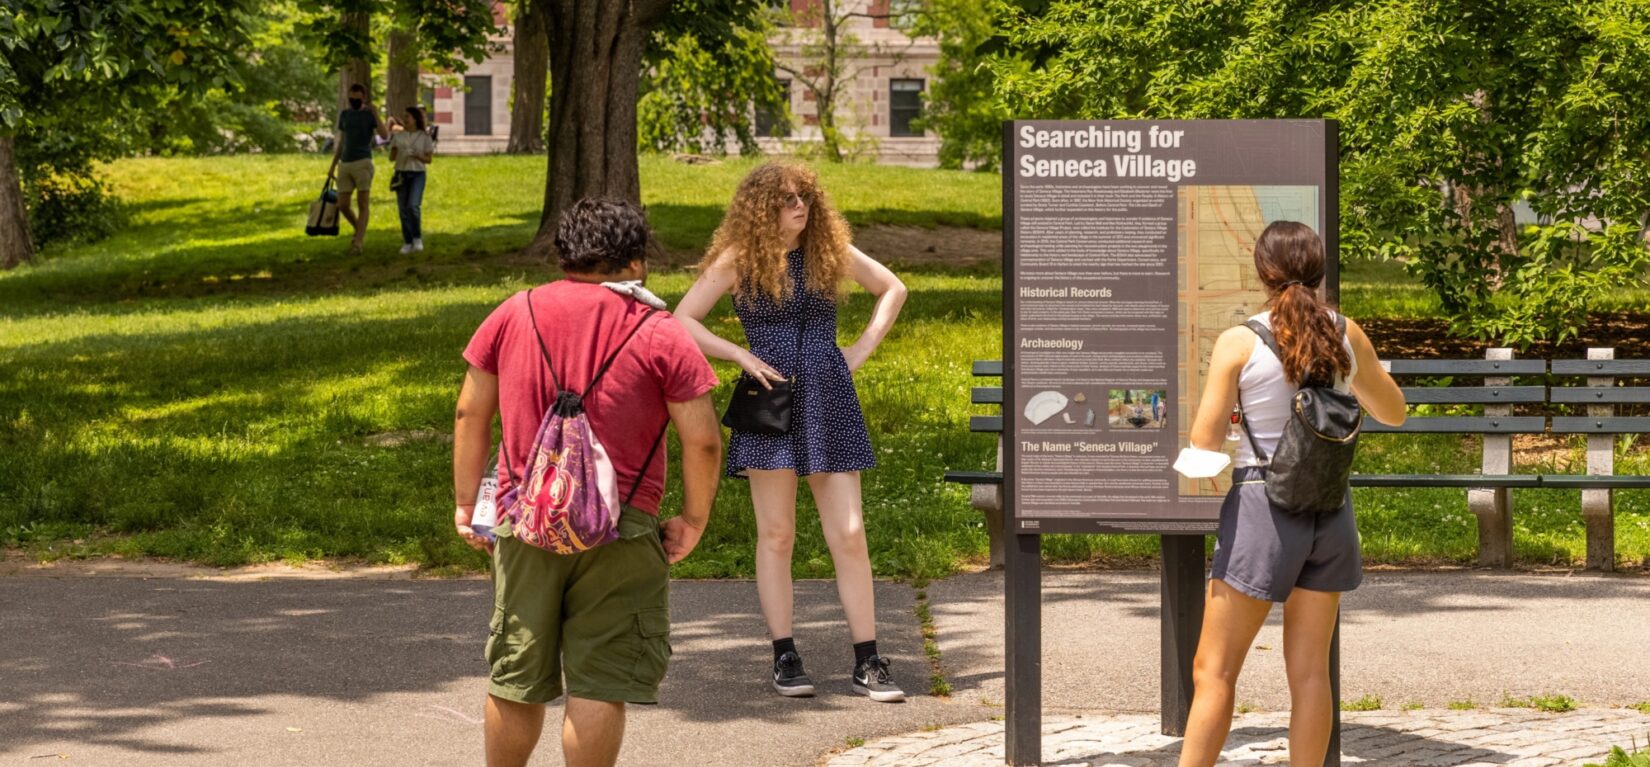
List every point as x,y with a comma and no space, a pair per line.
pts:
180,670
176,666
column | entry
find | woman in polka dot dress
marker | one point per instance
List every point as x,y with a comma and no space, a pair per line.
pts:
783,252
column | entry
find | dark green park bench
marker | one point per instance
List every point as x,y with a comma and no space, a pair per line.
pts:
1568,396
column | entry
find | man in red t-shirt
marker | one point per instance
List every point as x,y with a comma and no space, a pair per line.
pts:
598,618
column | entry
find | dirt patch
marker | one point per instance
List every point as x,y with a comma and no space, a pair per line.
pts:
1627,332
915,245
900,245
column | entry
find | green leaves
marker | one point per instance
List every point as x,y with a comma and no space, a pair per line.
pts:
1451,115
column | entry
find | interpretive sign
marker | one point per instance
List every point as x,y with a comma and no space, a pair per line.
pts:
1129,247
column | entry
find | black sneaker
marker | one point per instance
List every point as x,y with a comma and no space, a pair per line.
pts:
789,679
873,680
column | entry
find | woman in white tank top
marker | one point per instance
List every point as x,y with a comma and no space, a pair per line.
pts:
1263,554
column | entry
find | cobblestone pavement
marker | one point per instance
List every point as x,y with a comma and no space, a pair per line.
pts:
1481,738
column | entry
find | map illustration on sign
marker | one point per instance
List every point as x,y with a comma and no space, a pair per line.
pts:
1218,285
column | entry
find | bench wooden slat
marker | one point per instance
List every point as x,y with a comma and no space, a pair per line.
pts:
1552,481
988,367
1446,480
1601,367
975,477
1473,395
1593,481
1465,367
1600,395
988,395
986,423
1531,424
1602,425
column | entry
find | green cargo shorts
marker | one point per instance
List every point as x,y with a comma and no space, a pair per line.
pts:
599,618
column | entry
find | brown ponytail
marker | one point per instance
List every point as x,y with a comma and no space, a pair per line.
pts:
1289,257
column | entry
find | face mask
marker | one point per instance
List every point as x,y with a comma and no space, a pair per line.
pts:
354,103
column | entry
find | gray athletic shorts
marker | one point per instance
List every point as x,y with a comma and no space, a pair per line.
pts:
1266,553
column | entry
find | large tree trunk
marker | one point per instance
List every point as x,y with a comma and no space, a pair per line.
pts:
595,63
15,246
401,71
356,71
532,72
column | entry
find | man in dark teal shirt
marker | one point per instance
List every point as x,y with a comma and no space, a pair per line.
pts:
352,158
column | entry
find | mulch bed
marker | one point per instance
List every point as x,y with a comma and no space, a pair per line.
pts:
1627,332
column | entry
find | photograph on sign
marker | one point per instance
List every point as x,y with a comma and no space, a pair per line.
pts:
1129,248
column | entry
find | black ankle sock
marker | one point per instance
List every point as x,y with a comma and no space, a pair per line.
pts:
782,646
863,650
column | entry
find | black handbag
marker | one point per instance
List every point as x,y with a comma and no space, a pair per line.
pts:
1309,472
759,410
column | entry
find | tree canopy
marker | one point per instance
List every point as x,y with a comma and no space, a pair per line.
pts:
1454,115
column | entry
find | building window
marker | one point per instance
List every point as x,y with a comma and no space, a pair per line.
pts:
478,105
903,14
426,97
775,123
904,105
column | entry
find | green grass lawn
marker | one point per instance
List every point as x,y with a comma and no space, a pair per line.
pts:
210,385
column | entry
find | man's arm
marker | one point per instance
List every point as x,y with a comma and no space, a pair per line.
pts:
701,437
337,145
472,441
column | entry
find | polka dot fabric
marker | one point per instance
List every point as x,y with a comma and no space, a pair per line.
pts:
827,426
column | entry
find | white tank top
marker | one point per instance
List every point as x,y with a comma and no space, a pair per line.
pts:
1267,394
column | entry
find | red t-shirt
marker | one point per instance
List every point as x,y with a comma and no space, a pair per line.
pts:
582,324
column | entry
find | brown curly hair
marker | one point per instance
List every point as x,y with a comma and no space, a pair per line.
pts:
1290,259
749,233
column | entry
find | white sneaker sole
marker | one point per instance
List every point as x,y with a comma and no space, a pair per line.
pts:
893,696
798,691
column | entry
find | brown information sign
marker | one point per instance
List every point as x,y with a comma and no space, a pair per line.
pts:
1128,248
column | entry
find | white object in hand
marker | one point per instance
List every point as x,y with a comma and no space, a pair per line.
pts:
1200,464
485,517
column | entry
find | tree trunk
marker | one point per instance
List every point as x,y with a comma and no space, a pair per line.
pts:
595,64
401,71
15,246
825,100
356,70
532,72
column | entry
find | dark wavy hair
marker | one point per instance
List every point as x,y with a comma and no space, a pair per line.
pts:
417,113
1290,259
600,236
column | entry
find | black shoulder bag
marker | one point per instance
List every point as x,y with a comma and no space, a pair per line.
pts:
1309,472
759,410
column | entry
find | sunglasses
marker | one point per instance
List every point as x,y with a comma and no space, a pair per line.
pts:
794,200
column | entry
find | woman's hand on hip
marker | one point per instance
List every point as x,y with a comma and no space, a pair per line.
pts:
855,356
757,369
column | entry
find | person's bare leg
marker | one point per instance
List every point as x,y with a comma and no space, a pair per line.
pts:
345,210
1308,626
592,732
512,731
773,493
841,517
1230,621
361,198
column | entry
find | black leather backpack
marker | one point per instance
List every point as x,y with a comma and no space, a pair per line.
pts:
1309,472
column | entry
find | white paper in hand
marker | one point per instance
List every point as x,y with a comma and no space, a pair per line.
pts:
1200,464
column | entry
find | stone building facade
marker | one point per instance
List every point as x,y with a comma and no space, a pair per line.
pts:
888,72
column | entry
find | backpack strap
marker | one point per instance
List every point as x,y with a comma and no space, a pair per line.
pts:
642,472
1271,342
611,357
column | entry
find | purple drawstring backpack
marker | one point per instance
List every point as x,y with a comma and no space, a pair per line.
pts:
568,501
